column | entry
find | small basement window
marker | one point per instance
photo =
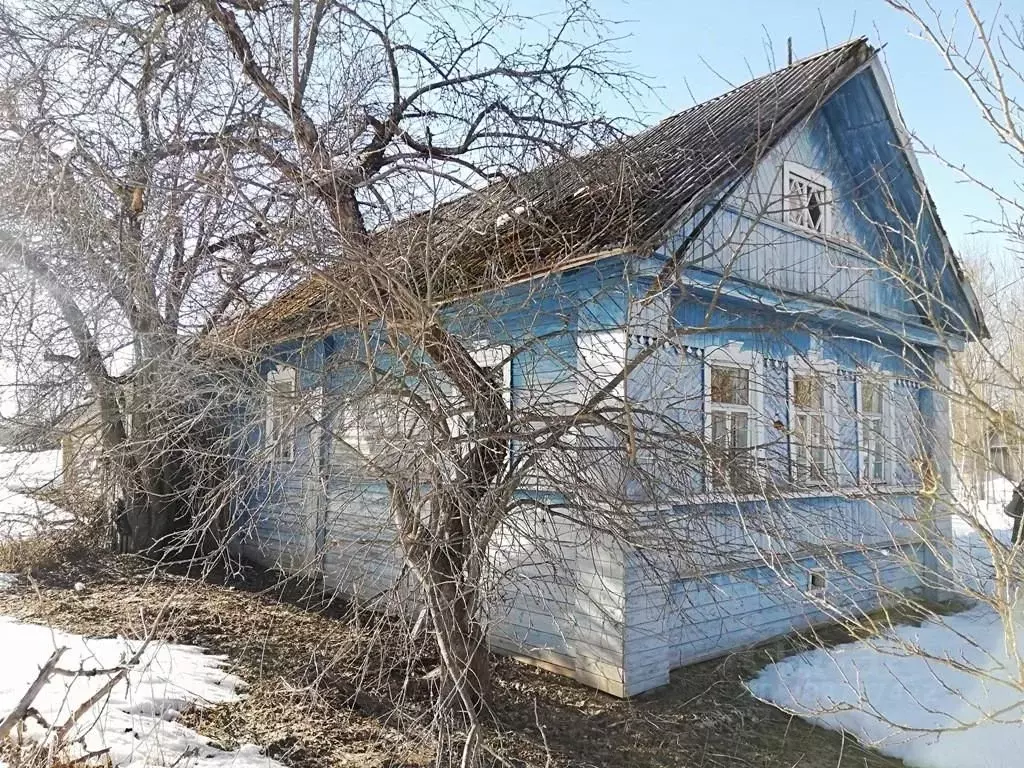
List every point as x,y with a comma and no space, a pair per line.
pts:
807,198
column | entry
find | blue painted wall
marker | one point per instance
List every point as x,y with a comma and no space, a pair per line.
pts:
752,280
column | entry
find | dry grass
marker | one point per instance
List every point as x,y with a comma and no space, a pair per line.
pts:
313,703
44,552
14,754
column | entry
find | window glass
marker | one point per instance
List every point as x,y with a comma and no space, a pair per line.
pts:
810,452
729,428
282,409
730,385
872,424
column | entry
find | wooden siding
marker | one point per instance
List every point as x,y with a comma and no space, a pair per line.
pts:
674,622
707,537
750,239
573,600
878,242
558,591
361,558
559,599
276,525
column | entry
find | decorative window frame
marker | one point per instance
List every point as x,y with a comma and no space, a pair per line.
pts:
790,169
650,317
733,355
886,385
353,429
281,442
804,365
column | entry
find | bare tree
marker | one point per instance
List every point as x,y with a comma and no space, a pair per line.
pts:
175,163
114,248
170,158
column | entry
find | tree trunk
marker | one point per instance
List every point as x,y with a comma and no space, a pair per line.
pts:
153,507
460,636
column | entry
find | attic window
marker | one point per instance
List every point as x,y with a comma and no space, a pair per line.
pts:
807,198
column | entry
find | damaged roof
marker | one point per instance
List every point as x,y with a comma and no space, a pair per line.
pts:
623,198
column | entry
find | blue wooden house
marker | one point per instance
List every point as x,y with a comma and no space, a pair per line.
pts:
780,292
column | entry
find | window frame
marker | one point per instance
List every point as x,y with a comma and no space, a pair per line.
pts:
281,442
485,355
733,356
888,424
827,372
351,430
816,178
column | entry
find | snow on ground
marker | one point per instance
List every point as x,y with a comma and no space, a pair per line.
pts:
972,559
21,515
137,722
938,696
905,696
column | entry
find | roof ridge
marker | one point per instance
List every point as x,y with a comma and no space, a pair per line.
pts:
853,43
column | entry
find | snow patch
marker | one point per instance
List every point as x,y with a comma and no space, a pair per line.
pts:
943,695
20,514
137,722
8,580
947,694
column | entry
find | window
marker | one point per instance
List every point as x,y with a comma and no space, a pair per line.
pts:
1000,456
282,409
809,446
497,363
817,582
807,199
729,426
872,419
375,426
358,427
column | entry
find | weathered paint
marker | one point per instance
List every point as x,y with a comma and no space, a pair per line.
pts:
617,617
672,622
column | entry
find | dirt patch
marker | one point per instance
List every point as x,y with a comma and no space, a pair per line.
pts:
322,683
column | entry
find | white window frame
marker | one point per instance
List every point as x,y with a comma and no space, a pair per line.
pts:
281,439
487,355
807,175
828,372
885,385
734,356
352,430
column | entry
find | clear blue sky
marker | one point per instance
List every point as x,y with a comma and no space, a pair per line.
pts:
693,49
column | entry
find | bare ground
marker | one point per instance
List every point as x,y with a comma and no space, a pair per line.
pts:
314,701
